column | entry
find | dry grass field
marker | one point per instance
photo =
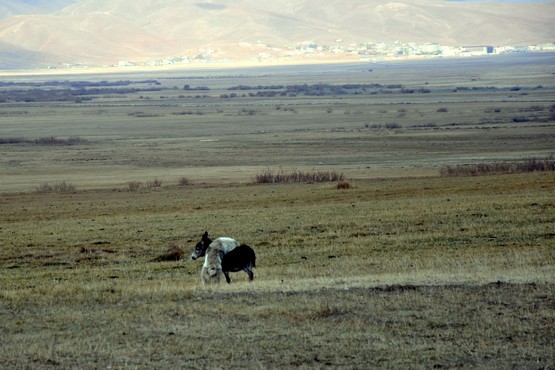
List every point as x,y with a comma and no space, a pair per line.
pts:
402,268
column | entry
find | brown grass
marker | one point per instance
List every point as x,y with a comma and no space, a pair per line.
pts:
394,272
142,136
407,269
529,165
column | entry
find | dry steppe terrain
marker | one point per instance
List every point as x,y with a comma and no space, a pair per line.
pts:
402,268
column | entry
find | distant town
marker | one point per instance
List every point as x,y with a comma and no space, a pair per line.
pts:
311,51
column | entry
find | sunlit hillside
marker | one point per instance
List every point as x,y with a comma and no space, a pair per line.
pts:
105,32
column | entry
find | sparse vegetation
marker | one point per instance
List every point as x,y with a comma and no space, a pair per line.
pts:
342,185
269,176
13,140
156,183
60,187
134,185
248,112
529,165
48,140
67,91
394,263
183,181
189,113
393,126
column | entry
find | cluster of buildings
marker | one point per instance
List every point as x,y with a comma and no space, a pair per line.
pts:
373,52
397,49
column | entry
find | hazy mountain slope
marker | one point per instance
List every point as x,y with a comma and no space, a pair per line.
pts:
359,20
13,57
105,31
18,7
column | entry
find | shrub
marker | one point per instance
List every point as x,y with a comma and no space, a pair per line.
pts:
13,140
249,112
134,185
48,140
154,183
442,110
183,181
76,140
529,165
44,188
269,177
61,187
342,185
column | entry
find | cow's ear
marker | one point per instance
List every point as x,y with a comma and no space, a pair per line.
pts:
205,235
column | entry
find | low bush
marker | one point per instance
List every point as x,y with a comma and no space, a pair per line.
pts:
47,140
270,177
529,165
13,140
134,185
343,185
249,112
61,187
393,126
44,188
154,183
184,181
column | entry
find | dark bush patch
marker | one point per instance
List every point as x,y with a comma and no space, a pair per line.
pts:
184,181
47,140
61,187
271,177
341,185
529,165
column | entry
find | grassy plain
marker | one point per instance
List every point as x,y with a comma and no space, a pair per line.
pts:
405,269
474,110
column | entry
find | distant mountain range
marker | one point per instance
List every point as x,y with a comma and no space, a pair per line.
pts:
37,33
